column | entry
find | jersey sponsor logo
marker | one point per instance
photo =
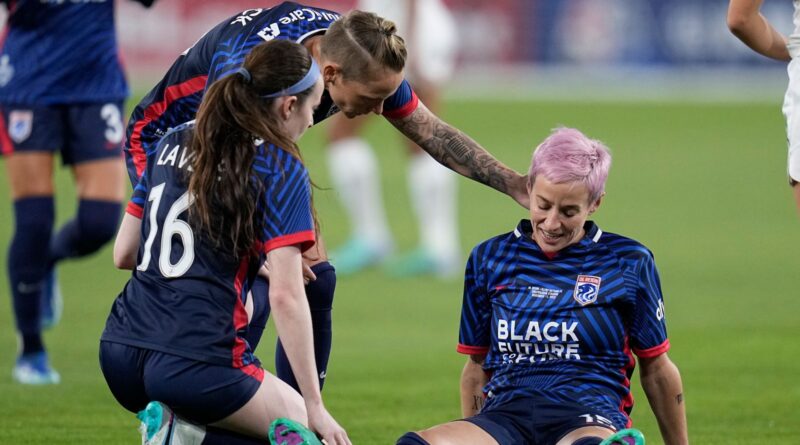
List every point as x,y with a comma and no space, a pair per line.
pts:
20,124
247,16
6,70
308,15
270,32
537,342
586,289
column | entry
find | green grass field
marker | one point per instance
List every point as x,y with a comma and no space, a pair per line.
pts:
702,185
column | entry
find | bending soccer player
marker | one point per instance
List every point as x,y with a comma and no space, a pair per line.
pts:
552,315
62,90
361,60
220,195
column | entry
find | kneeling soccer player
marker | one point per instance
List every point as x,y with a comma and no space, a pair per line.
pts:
552,313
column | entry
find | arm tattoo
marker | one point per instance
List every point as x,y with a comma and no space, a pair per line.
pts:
455,150
679,398
477,403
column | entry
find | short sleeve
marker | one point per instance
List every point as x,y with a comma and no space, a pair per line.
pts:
136,204
649,330
288,218
402,103
476,310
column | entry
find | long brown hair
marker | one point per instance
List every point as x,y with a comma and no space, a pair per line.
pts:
359,40
232,116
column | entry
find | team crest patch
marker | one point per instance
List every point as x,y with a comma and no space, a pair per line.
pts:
586,289
20,124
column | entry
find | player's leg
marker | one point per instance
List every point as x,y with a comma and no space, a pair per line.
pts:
433,192
796,191
791,110
452,433
94,152
354,172
28,138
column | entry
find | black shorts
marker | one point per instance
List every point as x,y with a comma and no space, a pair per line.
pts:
201,392
534,420
81,132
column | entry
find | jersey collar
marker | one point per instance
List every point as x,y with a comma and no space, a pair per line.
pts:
592,233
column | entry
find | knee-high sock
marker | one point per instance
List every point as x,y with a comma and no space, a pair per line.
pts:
320,300
27,265
354,172
94,225
433,196
258,322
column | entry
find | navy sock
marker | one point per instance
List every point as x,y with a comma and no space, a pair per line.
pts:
411,439
258,322
219,436
594,440
320,300
27,265
94,225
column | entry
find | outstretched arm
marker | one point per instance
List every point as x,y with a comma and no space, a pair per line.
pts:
662,385
751,27
460,153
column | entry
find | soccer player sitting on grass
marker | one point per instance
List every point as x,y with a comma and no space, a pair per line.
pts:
552,315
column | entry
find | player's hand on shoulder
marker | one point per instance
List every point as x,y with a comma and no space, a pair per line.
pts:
321,422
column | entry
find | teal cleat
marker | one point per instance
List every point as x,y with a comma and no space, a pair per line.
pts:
52,301
34,369
160,426
357,254
628,436
421,262
288,432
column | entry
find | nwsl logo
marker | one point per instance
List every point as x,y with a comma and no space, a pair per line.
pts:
586,289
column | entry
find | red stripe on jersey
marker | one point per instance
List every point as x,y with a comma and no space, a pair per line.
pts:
405,110
305,239
6,146
466,349
253,371
134,210
655,351
239,313
626,404
154,111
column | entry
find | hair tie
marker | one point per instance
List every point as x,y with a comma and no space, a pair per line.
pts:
242,71
301,85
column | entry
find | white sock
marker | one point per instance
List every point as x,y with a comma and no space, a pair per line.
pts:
433,196
354,171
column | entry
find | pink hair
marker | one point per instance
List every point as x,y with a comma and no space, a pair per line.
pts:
567,155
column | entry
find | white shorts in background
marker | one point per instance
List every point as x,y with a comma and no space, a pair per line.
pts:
791,110
433,47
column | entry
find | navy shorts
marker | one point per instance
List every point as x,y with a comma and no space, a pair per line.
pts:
82,133
201,392
534,420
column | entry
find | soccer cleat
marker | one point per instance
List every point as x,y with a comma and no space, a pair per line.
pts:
358,254
160,426
288,432
421,262
628,436
52,301
34,369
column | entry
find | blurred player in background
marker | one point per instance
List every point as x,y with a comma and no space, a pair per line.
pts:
362,61
61,90
430,34
220,196
552,315
748,24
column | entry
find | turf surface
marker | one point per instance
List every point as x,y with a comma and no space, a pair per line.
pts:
702,185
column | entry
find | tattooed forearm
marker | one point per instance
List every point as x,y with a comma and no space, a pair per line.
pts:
457,151
679,398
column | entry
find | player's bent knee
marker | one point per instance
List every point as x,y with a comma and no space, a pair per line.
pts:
98,222
411,438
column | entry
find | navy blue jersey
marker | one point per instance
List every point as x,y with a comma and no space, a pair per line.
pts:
60,52
186,297
219,52
564,327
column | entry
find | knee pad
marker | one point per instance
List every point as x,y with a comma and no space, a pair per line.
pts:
411,438
593,440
